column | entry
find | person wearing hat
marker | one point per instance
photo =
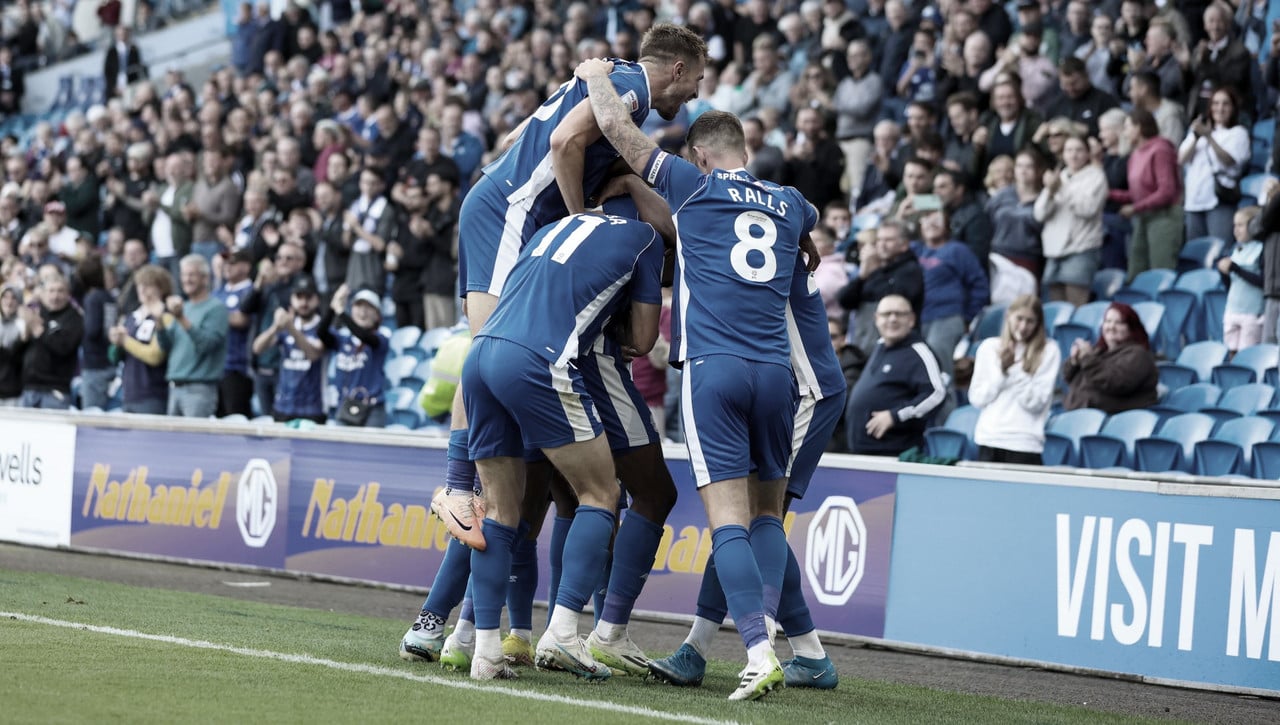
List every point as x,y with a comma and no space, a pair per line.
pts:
235,390
296,330
62,238
360,345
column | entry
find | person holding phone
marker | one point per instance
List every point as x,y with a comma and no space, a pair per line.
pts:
1214,155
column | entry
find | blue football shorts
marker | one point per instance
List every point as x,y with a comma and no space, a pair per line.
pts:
622,410
491,233
815,423
738,417
516,399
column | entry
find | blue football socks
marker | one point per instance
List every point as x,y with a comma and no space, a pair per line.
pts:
740,578
490,570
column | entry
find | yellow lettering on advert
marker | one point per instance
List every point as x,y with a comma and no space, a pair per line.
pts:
363,519
370,516
787,522
138,495
97,490
158,505
321,492
684,551
664,548
224,485
353,513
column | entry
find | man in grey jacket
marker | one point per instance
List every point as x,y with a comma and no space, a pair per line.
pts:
857,103
215,202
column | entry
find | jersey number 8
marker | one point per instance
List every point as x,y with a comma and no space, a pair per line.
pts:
743,226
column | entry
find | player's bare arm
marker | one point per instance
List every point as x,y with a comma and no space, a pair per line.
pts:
644,328
612,116
569,144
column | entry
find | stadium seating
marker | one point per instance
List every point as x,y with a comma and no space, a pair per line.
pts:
404,338
1188,399
1242,400
1151,314
1230,450
402,407
1113,444
1195,364
1056,313
1146,286
1199,253
1063,433
399,368
1172,447
1215,305
1251,185
1266,460
1250,365
1090,315
1106,282
954,439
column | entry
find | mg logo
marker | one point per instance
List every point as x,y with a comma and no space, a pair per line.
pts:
256,501
836,554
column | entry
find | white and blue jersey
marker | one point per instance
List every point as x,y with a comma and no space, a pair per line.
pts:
571,279
737,241
300,390
517,194
238,342
819,379
358,367
521,386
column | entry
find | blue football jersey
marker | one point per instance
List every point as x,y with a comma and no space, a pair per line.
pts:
738,238
813,359
571,278
524,171
358,367
300,387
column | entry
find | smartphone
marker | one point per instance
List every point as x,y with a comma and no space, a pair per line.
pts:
927,202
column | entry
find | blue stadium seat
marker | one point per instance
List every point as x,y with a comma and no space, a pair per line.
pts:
866,221
1199,253
1172,447
1242,400
1113,445
1146,286
398,368
1230,450
1215,305
1063,433
1195,364
954,439
1056,313
1266,460
989,323
1091,315
405,338
1265,130
1106,282
432,339
1251,185
1250,365
1189,399
1151,314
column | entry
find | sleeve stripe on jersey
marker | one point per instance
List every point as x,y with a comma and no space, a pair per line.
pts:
939,393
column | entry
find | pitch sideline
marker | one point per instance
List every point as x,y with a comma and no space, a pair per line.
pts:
367,670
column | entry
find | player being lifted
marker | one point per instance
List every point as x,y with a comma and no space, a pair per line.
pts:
738,238
550,159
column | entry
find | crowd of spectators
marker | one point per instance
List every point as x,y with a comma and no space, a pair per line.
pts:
960,152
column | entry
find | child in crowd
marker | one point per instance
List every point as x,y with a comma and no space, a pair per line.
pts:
1242,272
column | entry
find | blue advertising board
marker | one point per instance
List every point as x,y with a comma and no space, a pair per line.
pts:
215,498
1183,588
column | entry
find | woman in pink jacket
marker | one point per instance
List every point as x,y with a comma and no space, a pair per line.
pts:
1153,201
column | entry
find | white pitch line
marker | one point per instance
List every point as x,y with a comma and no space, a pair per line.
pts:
369,670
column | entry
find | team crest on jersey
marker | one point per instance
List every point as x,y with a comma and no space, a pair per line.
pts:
887,367
632,100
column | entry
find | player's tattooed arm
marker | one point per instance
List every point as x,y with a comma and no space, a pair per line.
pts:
612,115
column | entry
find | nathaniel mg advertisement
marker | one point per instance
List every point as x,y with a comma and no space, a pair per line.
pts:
183,495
